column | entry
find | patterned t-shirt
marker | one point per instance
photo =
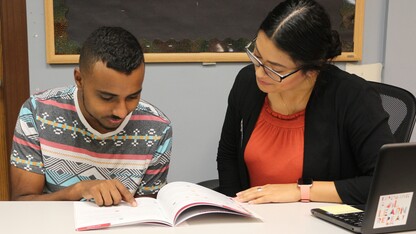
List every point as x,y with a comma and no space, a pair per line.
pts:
53,138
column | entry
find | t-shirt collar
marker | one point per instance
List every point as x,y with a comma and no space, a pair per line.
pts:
90,128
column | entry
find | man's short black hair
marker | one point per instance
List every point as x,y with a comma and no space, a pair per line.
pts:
115,47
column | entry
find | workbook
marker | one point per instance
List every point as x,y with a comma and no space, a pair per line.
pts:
175,203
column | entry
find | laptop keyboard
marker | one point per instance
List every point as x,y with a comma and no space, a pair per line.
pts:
355,219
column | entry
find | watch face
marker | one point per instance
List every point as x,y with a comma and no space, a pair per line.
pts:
305,181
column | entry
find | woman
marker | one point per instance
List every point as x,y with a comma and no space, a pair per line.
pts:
292,115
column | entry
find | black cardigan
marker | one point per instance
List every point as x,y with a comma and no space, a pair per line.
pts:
345,126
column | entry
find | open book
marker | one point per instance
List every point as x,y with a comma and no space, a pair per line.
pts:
175,203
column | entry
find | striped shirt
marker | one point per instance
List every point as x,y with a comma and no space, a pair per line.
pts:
53,138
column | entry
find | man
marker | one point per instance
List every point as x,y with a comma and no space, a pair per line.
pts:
96,140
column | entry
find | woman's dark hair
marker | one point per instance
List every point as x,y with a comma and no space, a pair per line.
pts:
302,29
114,46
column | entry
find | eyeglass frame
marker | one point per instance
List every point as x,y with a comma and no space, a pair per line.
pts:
251,56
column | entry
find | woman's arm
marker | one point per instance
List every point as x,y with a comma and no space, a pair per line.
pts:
227,156
321,191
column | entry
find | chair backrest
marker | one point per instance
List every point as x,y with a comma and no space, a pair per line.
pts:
400,104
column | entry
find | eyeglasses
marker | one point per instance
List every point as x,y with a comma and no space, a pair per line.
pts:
274,75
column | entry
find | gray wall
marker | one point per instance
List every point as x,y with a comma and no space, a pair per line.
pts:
400,49
400,44
192,95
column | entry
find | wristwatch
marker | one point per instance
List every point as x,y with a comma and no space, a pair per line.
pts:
305,185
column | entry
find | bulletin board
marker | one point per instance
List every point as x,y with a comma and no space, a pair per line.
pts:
170,31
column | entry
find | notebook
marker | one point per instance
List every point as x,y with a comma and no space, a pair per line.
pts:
391,203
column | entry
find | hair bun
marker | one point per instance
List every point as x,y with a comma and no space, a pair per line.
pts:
335,47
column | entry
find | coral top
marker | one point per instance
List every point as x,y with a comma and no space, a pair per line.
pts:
274,153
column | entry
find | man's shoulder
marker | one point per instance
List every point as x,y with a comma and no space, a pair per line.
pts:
146,108
66,93
51,97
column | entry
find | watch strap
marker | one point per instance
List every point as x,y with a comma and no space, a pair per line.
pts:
305,193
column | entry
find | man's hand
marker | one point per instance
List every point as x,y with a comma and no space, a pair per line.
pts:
28,186
105,192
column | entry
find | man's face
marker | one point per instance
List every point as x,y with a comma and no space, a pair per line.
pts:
107,96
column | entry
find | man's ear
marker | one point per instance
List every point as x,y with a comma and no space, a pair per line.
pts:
78,78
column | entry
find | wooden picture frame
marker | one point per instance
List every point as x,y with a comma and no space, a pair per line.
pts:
54,38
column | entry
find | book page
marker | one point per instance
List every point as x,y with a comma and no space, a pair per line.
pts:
90,216
203,209
176,197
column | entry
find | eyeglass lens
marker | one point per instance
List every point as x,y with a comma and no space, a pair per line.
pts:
267,70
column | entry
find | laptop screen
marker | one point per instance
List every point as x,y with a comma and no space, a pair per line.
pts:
391,204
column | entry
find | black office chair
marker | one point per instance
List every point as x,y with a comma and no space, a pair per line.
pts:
212,184
399,103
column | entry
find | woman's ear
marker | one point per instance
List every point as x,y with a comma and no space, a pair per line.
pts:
312,74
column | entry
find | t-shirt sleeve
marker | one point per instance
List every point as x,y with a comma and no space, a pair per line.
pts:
26,153
156,174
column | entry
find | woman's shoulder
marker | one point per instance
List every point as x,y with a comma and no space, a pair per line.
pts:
246,80
247,74
339,80
245,91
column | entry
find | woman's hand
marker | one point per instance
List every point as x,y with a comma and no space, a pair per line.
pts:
270,193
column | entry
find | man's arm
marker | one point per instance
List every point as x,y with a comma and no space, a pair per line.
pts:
28,186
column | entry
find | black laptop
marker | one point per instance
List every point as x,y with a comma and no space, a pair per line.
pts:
391,204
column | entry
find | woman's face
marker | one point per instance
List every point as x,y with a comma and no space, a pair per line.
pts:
278,60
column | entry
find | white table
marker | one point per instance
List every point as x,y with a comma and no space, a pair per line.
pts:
58,217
